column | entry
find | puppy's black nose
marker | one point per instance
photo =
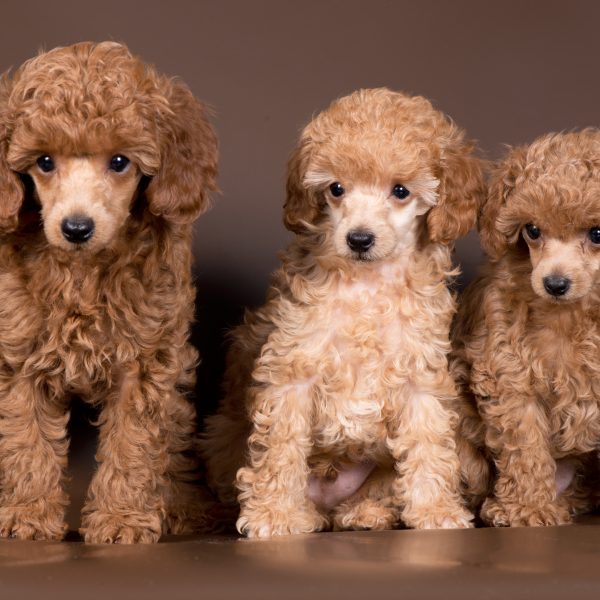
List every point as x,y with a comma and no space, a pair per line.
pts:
359,240
77,229
556,285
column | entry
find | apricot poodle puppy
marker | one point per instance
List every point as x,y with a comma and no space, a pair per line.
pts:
527,336
339,403
104,164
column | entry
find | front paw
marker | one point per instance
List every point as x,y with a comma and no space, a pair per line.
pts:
505,514
439,517
264,522
106,528
32,523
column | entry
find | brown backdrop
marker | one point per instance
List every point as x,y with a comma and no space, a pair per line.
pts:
507,71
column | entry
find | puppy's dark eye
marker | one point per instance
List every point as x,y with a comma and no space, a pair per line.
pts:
400,192
595,235
45,163
533,232
336,189
118,163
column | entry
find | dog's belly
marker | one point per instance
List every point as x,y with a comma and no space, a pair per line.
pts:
329,491
364,354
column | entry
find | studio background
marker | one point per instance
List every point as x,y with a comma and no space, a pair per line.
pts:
505,71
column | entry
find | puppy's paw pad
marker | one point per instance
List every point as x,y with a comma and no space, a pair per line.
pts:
22,523
110,529
441,518
267,523
494,513
498,514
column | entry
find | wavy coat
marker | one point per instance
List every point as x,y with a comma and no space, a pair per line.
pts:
344,369
107,321
527,361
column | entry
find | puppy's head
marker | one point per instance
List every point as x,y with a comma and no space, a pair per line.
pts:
87,124
377,171
543,212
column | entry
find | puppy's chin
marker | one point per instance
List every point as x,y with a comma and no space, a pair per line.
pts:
365,258
361,257
560,300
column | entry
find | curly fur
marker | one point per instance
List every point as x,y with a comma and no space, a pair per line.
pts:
346,363
107,320
527,361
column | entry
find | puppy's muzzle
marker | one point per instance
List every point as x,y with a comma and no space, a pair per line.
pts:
556,285
360,240
77,229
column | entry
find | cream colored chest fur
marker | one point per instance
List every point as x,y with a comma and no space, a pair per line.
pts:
366,350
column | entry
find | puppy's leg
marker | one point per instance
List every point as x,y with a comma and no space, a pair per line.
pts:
373,506
476,469
421,440
476,473
224,449
223,446
191,508
273,486
224,443
187,503
525,490
126,501
33,456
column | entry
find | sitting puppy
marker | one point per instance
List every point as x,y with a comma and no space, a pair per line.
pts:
338,401
528,332
104,164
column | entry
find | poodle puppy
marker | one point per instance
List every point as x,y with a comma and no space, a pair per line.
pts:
338,406
527,334
104,164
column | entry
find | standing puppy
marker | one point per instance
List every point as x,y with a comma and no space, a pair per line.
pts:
338,401
104,164
527,335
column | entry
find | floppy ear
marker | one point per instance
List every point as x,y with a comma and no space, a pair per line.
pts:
460,193
502,183
188,159
302,203
11,186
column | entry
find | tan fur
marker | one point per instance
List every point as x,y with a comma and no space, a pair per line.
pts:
347,360
107,320
527,362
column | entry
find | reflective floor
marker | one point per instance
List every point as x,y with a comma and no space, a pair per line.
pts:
553,562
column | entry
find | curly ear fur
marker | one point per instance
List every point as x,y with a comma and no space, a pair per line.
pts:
11,186
460,192
188,161
502,183
302,203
